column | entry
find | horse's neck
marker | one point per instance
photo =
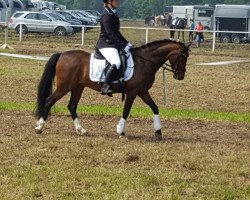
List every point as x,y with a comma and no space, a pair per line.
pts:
155,55
168,20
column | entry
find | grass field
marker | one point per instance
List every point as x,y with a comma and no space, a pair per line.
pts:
205,149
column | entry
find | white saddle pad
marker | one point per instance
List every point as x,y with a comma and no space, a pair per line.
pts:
97,66
175,22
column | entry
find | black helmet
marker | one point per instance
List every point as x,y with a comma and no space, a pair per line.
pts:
105,1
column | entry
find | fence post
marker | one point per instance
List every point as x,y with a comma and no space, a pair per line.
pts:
214,33
146,40
83,28
164,86
6,31
21,32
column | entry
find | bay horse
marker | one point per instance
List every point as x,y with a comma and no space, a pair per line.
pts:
176,23
71,69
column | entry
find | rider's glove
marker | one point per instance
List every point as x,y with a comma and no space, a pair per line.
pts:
127,48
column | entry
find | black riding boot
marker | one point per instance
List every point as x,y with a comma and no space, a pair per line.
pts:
107,87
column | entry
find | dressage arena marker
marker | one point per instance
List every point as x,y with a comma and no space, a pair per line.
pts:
225,62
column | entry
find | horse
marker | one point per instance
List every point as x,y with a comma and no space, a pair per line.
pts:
160,20
71,69
176,23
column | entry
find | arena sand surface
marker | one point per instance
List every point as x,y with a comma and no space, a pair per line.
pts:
192,145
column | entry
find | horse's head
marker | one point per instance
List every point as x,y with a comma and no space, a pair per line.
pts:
168,19
178,61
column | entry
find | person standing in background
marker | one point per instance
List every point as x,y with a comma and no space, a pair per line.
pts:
199,33
191,32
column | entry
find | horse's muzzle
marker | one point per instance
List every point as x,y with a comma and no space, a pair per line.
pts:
179,76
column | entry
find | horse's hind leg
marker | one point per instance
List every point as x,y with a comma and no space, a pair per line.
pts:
51,100
156,118
172,35
178,35
72,106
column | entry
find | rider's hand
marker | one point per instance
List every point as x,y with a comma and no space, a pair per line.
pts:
127,48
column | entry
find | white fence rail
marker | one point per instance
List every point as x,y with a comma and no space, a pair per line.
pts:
147,29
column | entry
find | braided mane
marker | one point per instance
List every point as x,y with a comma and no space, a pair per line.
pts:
157,42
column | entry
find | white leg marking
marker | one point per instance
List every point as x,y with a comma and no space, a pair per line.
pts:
79,129
157,122
39,124
120,128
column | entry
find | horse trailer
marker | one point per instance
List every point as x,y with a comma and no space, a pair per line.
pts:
199,13
40,5
235,18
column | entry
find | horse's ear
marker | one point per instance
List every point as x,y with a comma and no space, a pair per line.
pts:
188,44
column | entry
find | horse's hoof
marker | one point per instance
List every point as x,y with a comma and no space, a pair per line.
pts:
122,135
81,131
158,135
38,131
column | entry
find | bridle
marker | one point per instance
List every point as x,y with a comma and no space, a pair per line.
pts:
174,68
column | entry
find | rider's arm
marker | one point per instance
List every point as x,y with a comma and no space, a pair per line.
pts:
114,35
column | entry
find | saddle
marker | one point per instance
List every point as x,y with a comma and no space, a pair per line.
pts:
124,73
121,72
175,22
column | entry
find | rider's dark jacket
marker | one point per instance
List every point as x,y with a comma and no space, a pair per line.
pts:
110,35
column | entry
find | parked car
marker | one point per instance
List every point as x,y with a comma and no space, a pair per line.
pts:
94,18
39,22
80,16
70,15
76,23
94,12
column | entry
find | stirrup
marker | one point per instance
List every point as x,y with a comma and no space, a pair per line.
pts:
106,90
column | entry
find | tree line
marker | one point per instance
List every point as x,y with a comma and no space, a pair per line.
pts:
138,9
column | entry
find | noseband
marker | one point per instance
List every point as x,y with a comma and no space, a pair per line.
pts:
174,68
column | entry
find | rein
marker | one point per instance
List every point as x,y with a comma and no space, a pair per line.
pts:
165,65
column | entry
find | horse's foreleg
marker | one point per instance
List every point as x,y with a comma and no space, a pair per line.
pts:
72,106
120,128
156,118
49,103
172,35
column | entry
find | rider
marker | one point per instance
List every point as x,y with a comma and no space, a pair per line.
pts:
175,22
110,43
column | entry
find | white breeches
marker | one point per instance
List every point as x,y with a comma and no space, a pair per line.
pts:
112,56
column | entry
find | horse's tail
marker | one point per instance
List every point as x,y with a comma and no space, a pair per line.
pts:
45,86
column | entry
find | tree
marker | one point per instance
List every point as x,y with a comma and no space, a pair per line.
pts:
141,8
